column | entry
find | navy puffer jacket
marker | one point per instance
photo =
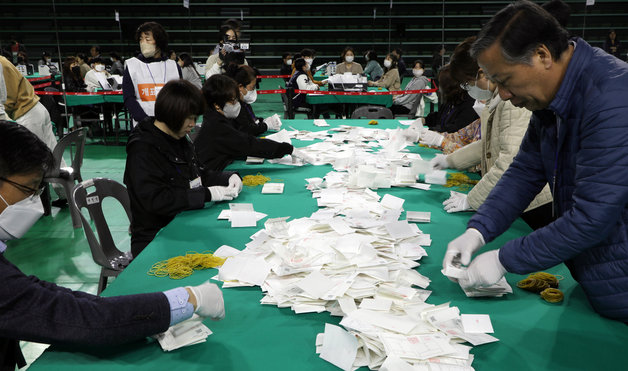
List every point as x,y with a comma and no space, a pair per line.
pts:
582,138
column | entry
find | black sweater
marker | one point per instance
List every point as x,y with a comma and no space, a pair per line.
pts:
219,143
452,117
158,172
247,122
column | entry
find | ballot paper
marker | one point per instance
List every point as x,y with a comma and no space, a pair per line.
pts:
321,123
281,136
226,215
273,188
436,177
254,160
392,202
418,216
242,215
416,347
454,272
189,332
245,268
226,251
476,323
339,347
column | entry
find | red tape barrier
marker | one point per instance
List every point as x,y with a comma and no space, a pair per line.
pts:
273,77
276,91
79,93
394,92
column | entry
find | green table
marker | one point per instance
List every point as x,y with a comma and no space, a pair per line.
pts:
82,100
380,100
534,335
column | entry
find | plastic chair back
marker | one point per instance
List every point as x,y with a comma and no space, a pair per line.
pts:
372,112
76,138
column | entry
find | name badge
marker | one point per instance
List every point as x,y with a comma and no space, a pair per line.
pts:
196,183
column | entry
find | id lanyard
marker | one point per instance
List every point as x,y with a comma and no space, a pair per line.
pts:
555,175
151,74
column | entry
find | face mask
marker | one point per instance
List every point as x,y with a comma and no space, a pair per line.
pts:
478,93
18,218
231,110
418,73
99,67
148,50
349,58
289,62
478,107
307,67
76,71
387,63
309,61
366,57
250,97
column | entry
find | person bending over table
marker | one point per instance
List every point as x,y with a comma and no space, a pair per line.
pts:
347,64
162,173
246,121
147,73
39,311
219,143
576,144
390,80
503,127
456,110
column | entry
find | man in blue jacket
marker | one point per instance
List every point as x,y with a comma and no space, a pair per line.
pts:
577,142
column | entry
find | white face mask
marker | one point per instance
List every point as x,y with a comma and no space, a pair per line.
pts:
478,107
349,58
250,97
99,67
366,57
18,218
478,93
418,73
148,50
387,63
231,110
289,62
309,61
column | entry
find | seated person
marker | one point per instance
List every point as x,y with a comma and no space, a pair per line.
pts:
390,80
246,121
72,75
97,72
404,103
456,110
347,64
188,70
308,55
286,65
39,311
81,59
373,69
117,68
301,80
401,64
218,142
162,174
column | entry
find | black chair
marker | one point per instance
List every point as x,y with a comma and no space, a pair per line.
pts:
372,112
288,107
104,250
66,176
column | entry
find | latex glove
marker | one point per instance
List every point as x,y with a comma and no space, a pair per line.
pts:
273,122
459,250
412,133
220,193
235,183
485,270
456,202
298,153
432,138
439,162
209,301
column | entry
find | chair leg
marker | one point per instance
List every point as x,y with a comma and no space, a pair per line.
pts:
45,200
102,282
76,218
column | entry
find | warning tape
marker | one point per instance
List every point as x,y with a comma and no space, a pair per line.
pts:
273,76
79,93
394,92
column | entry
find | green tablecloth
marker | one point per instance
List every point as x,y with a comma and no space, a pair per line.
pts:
534,335
78,100
381,100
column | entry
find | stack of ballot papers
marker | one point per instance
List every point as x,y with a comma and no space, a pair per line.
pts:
498,289
355,258
189,332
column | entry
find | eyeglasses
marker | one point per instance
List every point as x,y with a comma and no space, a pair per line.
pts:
28,190
466,86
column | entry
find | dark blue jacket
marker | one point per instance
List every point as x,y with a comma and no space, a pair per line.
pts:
583,138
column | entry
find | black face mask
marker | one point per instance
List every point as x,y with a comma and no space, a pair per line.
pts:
76,71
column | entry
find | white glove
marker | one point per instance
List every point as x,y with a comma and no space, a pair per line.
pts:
459,250
298,153
273,122
456,202
485,270
439,162
220,193
209,301
412,134
432,138
235,183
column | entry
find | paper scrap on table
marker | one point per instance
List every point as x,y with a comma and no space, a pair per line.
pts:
226,215
406,122
392,202
436,177
189,332
316,284
418,216
454,272
416,347
339,347
245,269
273,188
401,229
242,215
476,323
321,123
376,304
226,251
281,136
254,160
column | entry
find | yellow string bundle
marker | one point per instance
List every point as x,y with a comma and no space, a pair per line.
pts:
460,180
543,283
180,267
255,180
